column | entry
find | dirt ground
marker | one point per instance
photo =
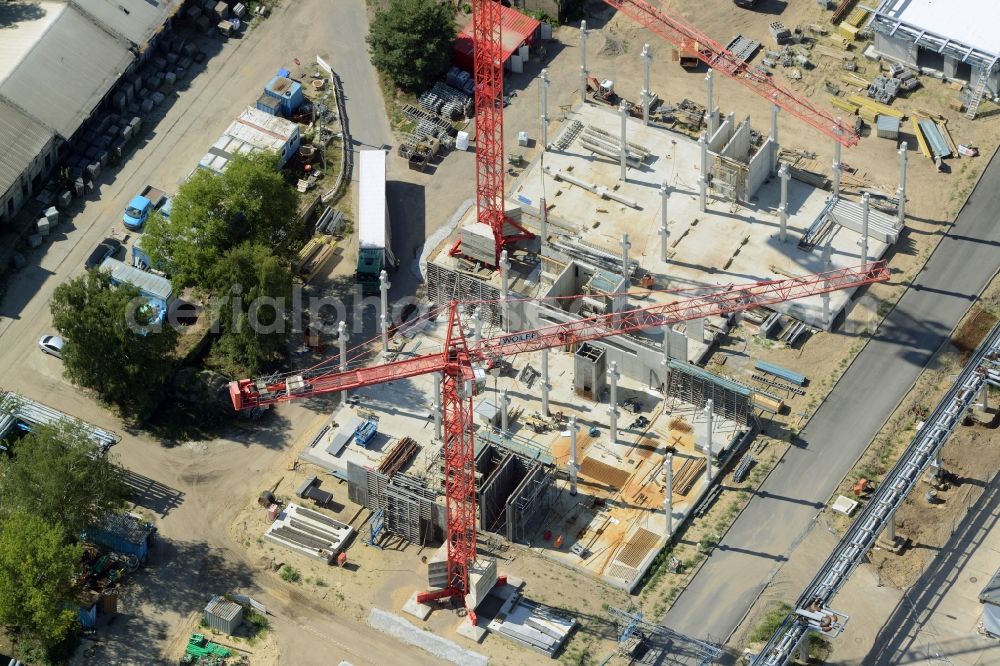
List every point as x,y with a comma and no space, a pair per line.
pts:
970,457
970,454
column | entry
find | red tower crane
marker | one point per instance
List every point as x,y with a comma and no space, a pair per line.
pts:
455,363
678,32
487,50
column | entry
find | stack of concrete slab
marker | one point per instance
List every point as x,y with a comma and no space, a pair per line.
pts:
478,243
529,623
309,532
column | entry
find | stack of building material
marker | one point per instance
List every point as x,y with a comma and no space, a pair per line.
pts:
690,471
935,139
779,32
870,109
743,48
309,533
478,242
884,89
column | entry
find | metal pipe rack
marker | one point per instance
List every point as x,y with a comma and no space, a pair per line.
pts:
900,481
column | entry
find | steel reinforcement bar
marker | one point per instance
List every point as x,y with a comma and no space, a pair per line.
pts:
861,535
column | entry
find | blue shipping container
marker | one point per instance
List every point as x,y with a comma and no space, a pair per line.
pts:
286,91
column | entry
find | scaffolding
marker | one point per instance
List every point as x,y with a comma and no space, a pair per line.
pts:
405,506
445,285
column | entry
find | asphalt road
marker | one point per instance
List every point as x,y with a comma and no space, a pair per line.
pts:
782,512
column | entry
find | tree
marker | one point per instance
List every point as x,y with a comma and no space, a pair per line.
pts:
37,593
410,42
112,345
253,313
213,213
57,474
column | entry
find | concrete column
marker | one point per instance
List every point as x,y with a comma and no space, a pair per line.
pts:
775,146
783,208
710,109
583,62
836,166
626,267
668,495
505,289
342,338
544,220
827,264
984,397
901,190
623,149
613,407
865,214
664,222
709,446
383,287
804,648
544,133
647,97
545,382
890,528
703,176
504,416
572,455
437,405
936,460
477,322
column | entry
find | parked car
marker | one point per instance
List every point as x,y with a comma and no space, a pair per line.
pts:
107,248
52,345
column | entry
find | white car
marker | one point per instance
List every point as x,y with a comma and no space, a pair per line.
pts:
52,345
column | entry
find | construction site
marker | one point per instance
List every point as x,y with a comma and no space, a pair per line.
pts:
636,368
552,393
560,392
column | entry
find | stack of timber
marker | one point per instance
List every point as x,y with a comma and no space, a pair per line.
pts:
688,474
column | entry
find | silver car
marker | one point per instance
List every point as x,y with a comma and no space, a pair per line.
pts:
52,345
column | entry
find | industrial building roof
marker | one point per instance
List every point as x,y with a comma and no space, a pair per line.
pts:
971,22
135,20
23,138
23,25
67,71
515,29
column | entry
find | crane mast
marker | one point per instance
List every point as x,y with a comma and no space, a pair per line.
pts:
487,48
456,360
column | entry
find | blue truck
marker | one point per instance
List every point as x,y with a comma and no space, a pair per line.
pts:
142,206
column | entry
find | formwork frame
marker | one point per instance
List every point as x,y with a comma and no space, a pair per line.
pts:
695,386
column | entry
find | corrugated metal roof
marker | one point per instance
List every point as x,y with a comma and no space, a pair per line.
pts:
135,20
23,25
148,283
67,72
22,138
515,29
223,608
